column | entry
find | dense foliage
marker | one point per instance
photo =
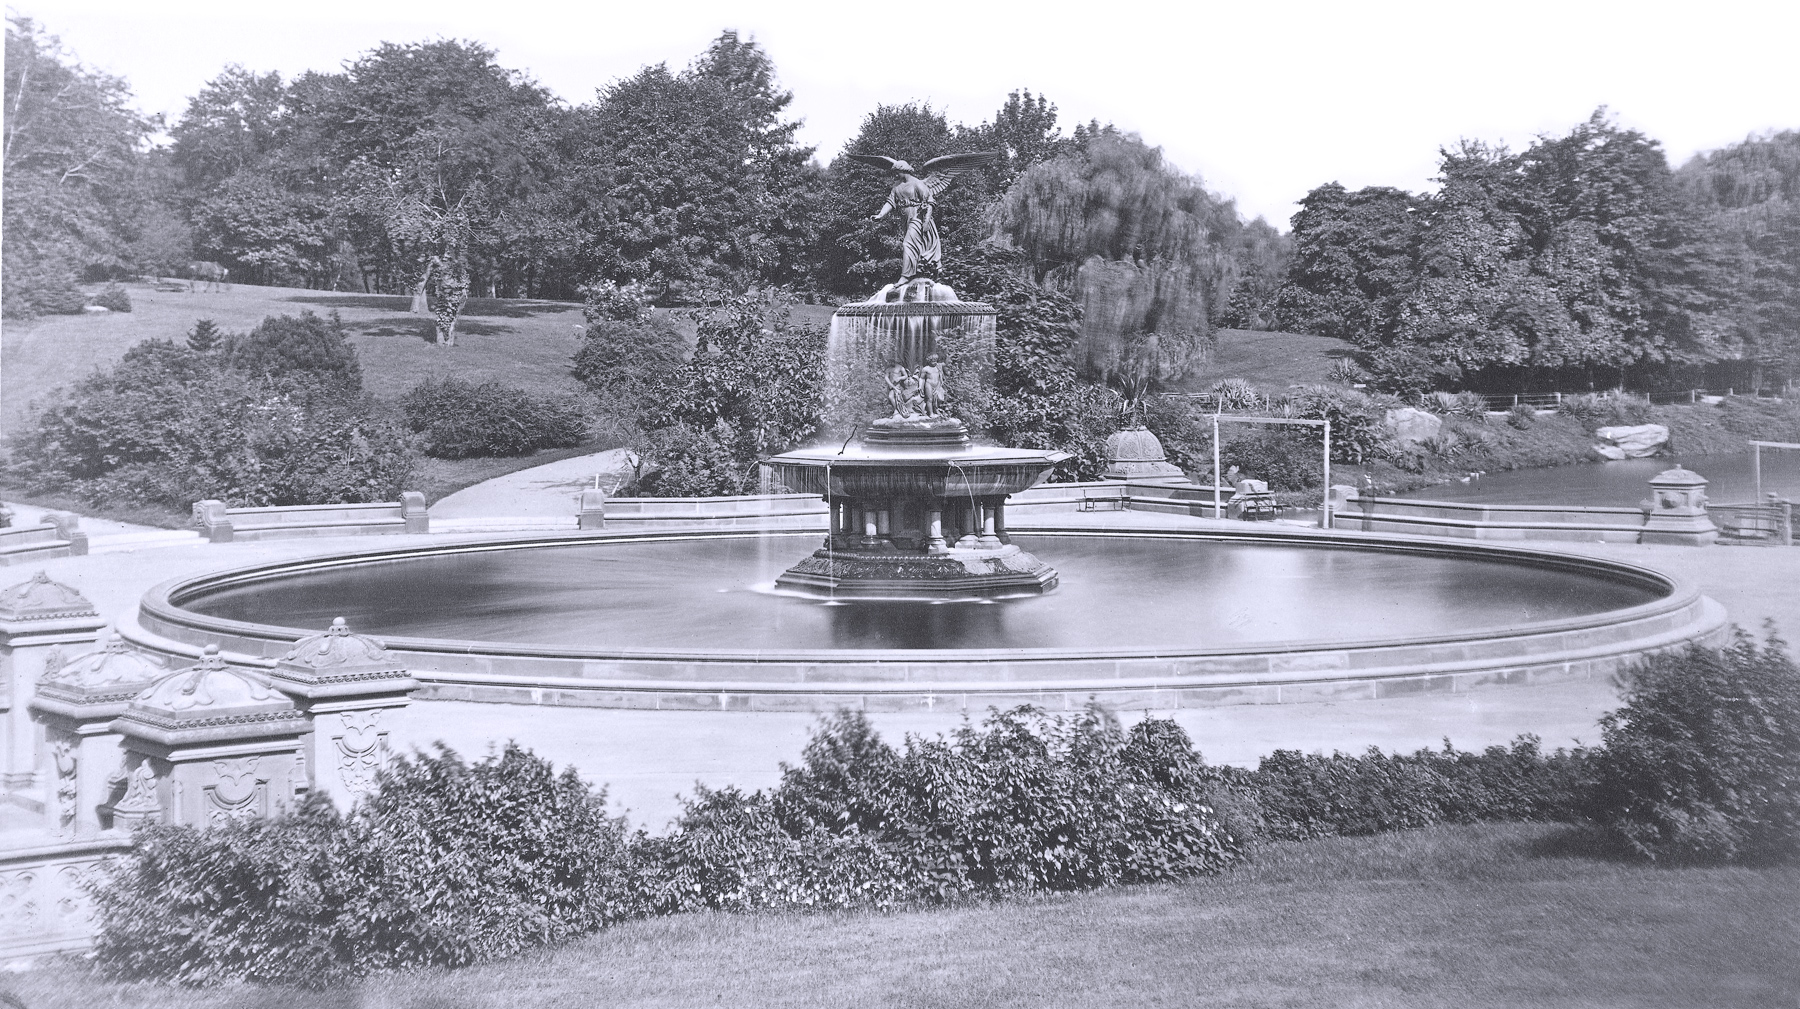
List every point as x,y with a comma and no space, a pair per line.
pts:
453,863
276,419
1702,764
459,419
751,388
1567,264
447,863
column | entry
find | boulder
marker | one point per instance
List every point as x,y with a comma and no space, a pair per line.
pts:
1631,442
1411,425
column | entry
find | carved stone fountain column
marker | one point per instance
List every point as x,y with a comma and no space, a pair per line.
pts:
40,622
76,705
353,690
208,744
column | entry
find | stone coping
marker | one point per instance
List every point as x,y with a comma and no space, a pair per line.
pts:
716,679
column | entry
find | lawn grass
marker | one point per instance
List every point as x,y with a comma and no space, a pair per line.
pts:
1496,915
1273,362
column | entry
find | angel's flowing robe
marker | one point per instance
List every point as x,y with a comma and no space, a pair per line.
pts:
919,252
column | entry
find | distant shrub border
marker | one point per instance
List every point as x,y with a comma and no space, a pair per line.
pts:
460,419
452,863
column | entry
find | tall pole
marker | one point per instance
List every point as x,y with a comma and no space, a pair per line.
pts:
1325,508
1216,512
1756,468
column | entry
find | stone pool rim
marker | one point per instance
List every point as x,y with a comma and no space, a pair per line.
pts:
896,679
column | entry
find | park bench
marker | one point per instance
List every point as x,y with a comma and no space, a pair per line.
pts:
224,525
59,535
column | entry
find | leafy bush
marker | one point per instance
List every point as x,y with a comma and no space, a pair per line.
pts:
447,863
626,361
113,297
1702,764
1606,409
1358,422
459,419
707,462
1301,797
297,348
1522,416
170,426
38,288
606,301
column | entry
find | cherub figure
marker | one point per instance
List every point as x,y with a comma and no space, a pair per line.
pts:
931,376
920,251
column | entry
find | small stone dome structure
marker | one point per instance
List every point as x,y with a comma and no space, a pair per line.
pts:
1136,454
340,663
107,678
210,700
42,599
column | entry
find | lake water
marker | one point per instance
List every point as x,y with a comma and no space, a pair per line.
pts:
1624,483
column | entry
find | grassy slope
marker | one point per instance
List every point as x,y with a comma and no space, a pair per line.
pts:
1271,361
1467,916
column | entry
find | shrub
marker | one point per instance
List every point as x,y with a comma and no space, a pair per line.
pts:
627,360
298,348
1702,764
1358,422
204,337
1522,416
606,301
169,426
459,419
113,297
1236,395
1306,796
1344,371
446,863
1606,409
1468,405
39,288
706,462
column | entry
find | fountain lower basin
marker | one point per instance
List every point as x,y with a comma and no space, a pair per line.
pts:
1145,620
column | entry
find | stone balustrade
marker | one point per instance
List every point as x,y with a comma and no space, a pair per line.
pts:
58,535
222,524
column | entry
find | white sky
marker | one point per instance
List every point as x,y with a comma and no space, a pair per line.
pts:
1264,100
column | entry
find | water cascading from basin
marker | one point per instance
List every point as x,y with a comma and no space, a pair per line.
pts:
916,511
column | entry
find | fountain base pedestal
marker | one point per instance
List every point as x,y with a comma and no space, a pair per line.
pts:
943,573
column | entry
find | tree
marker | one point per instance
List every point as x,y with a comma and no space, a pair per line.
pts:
1353,263
69,161
693,180
1144,248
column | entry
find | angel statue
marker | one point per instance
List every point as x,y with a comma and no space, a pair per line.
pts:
920,253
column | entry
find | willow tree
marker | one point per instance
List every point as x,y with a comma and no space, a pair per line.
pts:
1142,247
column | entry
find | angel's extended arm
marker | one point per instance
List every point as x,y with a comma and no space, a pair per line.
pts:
885,207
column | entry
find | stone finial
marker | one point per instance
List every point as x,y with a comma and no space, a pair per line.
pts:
42,599
340,662
210,700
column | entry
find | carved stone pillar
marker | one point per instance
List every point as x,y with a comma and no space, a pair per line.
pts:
76,705
1676,511
41,621
353,690
208,744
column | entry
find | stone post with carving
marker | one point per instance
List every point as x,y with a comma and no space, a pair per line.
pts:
76,705
353,690
1676,511
208,744
41,621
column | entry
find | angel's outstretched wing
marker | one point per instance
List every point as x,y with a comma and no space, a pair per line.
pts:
874,159
939,172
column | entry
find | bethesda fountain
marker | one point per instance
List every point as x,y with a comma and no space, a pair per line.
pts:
916,510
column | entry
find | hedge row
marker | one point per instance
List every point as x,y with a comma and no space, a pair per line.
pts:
452,863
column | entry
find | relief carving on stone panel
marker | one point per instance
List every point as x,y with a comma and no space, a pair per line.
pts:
63,754
140,803
360,749
235,795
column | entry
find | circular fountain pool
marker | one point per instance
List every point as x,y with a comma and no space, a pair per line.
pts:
1142,619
